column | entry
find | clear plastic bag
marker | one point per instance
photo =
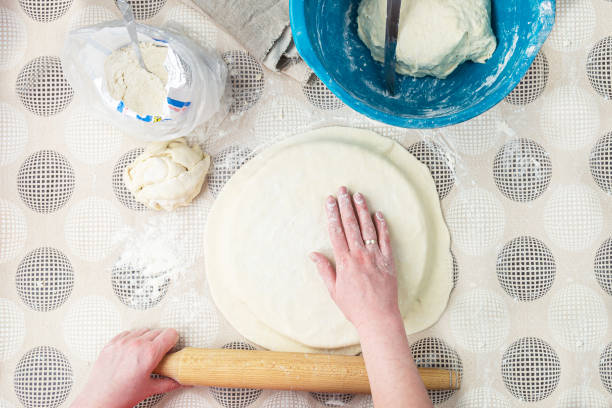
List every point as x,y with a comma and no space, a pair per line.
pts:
195,88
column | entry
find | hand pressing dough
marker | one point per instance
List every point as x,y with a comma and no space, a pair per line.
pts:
270,216
142,91
434,37
167,174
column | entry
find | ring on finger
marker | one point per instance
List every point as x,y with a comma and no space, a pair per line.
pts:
370,242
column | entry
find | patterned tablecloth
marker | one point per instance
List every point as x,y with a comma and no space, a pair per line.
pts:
525,190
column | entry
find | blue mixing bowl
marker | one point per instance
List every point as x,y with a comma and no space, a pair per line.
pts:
325,34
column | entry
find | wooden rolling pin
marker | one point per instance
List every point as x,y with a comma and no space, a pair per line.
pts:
282,371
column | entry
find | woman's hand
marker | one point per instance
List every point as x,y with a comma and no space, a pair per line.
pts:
121,376
364,286
363,283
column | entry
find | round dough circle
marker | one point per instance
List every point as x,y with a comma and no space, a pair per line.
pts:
271,215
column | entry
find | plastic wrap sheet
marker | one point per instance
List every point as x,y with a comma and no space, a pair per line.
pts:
525,190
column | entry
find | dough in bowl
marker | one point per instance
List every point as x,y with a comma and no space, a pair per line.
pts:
434,37
271,215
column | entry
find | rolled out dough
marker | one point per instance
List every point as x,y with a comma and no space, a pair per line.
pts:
270,216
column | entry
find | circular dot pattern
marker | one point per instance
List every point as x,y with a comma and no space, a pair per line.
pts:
91,15
279,118
600,162
45,10
194,318
532,84
366,402
91,227
526,268
14,135
91,140
400,135
522,170
152,401
235,397
89,325
5,404
14,38
42,87
45,181
13,230
13,329
480,321
577,318
194,24
569,118
43,378
285,399
137,290
435,353
333,399
599,67
603,266
476,220
319,95
439,165
186,398
247,78
145,9
122,193
477,135
583,397
605,367
455,270
530,369
483,397
574,25
44,279
224,165
573,217
187,224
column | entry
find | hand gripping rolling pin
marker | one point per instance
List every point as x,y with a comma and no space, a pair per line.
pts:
282,371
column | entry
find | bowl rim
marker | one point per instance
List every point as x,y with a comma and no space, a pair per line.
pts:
310,57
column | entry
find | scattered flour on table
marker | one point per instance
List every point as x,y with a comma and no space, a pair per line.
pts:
156,252
142,91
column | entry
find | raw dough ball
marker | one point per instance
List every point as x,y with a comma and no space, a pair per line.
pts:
435,36
167,175
142,91
271,214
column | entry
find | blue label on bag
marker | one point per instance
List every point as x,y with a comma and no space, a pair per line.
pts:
177,105
174,105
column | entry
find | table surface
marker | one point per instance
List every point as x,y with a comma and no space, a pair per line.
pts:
525,190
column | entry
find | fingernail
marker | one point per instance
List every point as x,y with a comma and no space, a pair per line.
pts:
174,332
343,191
331,202
313,258
379,216
358,198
